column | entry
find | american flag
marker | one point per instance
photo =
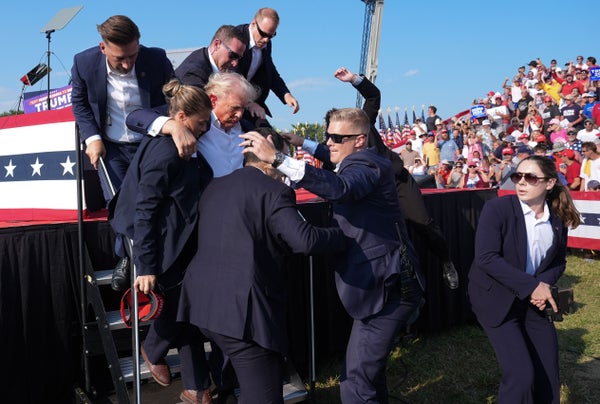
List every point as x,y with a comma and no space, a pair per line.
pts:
587,235
381,122
38,166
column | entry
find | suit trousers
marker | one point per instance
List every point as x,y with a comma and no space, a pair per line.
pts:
363,377
117,159
526,347
259,370
165,333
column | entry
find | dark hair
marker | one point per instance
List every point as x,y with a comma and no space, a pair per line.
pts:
265,131
186,98
559,198
119,29
226,33
589,146
434,109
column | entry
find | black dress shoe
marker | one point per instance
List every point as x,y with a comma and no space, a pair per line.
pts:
121,276
450,275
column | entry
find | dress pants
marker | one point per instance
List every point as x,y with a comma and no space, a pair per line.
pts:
117,160
165,333
259,370
363,378
526,347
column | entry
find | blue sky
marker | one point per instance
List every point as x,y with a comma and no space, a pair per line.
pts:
437,53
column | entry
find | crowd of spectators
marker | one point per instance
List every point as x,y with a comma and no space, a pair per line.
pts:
544,109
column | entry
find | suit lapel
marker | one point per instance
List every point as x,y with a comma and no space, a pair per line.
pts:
520,233
143,78
100,84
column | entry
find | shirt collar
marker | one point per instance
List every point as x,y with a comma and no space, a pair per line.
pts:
527,211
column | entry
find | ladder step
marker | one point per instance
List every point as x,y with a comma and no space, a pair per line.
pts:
126,363
293,393
103,277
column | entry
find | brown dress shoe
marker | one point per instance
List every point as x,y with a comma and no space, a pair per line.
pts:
193,397
160,371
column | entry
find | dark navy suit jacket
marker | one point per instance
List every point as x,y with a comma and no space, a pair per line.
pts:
157,204
498,275
88,77
267,77
366,208
236,282
195,68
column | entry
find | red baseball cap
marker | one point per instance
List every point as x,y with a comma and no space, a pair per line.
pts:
540,139
569,153
507,150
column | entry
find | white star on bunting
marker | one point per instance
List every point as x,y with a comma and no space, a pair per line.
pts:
37,167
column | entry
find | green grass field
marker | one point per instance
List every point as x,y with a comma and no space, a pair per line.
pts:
459,366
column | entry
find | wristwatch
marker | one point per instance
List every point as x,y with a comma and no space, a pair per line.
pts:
279,157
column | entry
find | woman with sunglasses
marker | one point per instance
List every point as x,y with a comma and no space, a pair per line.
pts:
520,246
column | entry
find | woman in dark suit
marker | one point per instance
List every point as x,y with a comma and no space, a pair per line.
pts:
520,249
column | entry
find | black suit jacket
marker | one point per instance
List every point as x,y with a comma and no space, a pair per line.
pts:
366,208
498,274
157,204
235,284
195,69
88,77
267,77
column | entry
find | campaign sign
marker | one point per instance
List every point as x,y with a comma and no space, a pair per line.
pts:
595,74
37,101
478,111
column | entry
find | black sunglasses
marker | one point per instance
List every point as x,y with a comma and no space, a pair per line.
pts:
232,54
263,33
336,138
531,179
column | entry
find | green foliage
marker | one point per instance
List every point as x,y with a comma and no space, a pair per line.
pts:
11,112
459,366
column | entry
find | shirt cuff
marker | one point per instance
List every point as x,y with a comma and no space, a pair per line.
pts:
359,79
157,125
92,138
293,169
309,146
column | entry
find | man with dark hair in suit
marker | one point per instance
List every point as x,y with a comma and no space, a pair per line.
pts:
109,81
257,64
223,54
234,288
378,279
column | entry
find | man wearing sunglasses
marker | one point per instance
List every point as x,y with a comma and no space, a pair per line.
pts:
378,278
224,52
257,64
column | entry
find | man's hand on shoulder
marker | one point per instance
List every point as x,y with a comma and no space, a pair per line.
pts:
184,139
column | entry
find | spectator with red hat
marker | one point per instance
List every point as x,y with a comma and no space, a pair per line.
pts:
475,177
502,170
571,169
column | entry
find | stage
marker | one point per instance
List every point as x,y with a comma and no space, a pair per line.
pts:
40,303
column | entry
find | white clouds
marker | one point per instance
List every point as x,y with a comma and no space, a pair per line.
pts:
308,84
411,72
